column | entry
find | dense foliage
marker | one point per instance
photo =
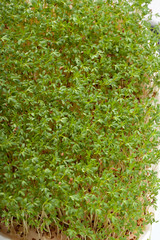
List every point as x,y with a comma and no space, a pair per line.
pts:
78,122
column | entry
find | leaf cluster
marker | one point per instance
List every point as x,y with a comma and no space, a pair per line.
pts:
78,117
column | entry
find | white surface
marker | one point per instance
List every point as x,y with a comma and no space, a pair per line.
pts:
155,7
3,238
147,234
155,233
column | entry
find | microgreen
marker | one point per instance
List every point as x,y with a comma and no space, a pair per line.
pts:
78,117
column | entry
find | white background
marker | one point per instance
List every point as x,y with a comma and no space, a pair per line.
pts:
155,6
155,234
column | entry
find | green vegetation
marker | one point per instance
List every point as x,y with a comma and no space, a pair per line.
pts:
78,123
